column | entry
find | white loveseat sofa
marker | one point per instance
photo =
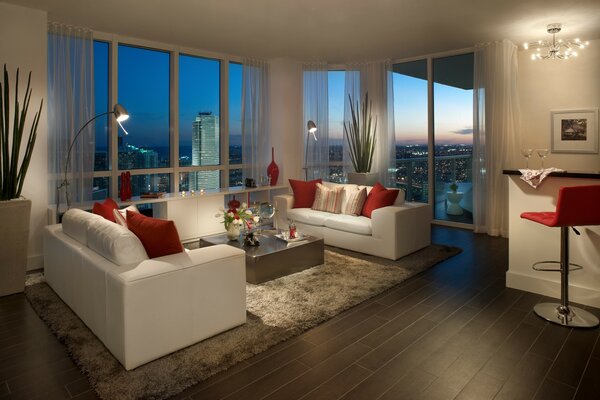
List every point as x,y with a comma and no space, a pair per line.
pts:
392,232
140,308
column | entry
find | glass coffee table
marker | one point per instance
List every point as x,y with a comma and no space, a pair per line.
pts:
274,257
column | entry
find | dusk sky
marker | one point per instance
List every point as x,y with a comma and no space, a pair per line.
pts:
143,84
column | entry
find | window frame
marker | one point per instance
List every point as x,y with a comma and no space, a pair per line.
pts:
174,169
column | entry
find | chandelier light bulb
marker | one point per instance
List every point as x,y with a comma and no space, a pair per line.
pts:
526,46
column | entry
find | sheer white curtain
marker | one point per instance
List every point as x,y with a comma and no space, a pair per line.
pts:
496,139
70,106
316,109
375,78
255,118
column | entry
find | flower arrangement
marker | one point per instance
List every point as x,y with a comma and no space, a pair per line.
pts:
238,217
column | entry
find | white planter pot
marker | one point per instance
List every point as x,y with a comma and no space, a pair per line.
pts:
362,178
14,237
453,207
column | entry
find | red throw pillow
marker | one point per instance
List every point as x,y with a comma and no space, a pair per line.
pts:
106,209
379,197
304,192
159,237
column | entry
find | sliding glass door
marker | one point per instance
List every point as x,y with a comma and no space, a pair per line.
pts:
453,138
433,113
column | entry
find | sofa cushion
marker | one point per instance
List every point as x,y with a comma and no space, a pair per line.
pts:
379,197
304,192
75,224
355,201
105,209
159,237
350,223
328,199
115,242
308,216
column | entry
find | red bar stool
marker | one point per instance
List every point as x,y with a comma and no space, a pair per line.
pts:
576,206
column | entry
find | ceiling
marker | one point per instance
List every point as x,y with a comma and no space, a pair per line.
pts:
332,30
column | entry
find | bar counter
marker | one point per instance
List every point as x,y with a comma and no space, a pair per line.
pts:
530,242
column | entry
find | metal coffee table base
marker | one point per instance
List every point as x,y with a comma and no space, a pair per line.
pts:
274,258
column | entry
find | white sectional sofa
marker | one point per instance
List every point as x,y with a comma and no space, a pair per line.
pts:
140,308
392,232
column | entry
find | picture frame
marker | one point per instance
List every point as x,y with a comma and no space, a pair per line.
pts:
574,131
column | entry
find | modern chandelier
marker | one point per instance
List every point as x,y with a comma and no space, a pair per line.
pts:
561,49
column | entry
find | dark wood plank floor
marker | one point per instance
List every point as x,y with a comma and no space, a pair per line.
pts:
453,332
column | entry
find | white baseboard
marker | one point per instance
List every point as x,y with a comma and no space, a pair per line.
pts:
546,287
35,262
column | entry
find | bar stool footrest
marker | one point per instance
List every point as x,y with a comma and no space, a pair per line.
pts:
572,266
574,317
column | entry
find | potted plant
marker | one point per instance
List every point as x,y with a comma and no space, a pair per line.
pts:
14,161
360,134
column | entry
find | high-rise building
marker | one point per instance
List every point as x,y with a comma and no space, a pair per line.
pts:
205,150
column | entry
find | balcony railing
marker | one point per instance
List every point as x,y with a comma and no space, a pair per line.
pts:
412,174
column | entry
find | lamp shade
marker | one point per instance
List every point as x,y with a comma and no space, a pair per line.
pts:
312,127
120,112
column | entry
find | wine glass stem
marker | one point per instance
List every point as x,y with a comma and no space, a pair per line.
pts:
527,162
542,163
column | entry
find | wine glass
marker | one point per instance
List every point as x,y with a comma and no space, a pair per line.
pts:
543,153
526,153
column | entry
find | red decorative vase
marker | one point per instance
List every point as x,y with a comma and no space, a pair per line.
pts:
125,189
233,204
128,187
122,189
273,169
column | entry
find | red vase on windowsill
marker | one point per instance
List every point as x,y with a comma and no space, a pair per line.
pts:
273,169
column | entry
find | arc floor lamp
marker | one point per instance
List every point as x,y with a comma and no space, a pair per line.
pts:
312,129
121,115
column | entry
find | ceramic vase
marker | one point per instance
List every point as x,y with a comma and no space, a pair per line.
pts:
273,169
233,232
122,190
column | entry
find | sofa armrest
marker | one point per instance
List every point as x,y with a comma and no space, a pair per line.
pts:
406,227
282,203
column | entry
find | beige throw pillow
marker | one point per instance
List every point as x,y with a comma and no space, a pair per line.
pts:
327,199
121,215
355,202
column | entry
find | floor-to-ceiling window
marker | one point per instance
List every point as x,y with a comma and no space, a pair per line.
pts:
178,140
102,160
411,128
335,98
235,124
453,138
144,89
199,122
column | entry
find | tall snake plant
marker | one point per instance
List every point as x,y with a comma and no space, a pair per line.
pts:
360,134
12,173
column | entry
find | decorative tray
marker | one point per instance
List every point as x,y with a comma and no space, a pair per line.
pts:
297,239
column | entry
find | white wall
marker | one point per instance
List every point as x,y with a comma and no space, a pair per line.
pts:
546,85
24,45
286,117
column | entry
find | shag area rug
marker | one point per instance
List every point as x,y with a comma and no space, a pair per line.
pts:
276,311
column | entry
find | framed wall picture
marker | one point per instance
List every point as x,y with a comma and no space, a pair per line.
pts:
575,131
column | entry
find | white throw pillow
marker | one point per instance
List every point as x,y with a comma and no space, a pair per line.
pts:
121,215
115,243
